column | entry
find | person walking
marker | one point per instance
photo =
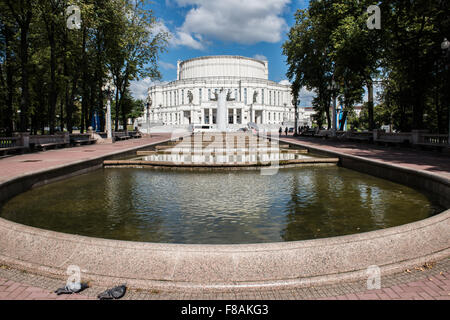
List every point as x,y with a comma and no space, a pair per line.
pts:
280,131
286,130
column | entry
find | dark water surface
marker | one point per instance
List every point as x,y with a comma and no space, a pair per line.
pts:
223,207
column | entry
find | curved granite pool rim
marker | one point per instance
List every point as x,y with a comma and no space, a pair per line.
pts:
228,267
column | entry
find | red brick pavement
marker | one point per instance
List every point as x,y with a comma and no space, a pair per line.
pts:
32,162
435,287
433,162
11,290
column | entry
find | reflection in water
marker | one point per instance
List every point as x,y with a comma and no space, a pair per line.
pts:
221,206
190,158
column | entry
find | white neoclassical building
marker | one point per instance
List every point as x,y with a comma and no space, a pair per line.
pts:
253,98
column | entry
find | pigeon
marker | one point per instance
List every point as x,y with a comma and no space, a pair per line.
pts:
114,293
72,289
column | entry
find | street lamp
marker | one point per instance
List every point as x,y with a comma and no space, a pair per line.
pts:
108,89
334,87
149,104
445,46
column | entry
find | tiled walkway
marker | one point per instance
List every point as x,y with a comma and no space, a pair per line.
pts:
32,162
435,162
430,281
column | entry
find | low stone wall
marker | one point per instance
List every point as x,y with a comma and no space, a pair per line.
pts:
234,267
417,179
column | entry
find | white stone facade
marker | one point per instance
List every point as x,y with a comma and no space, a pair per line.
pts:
187,100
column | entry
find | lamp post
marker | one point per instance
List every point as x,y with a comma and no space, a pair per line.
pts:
149,104
334,87
108,91
296,102
445,46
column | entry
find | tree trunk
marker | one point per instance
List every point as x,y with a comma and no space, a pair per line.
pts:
84,81
9,83
328,114
117,109
370,104
25,99
53,90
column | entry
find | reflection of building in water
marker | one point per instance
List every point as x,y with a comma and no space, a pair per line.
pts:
254,98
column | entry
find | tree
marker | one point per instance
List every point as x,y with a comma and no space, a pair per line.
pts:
330,40
54,76
22,11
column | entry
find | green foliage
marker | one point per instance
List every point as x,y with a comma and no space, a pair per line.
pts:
55,76
331,40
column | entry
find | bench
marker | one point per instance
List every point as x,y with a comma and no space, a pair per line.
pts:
5,151
45,142
81,139
117,138
360,136
45,146
10,144
397,139
309,133
120,136
135,134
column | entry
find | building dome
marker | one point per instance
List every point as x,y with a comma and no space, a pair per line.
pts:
223,66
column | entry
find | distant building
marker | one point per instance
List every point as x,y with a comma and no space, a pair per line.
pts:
187,100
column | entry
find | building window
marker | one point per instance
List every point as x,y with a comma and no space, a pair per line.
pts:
262,96
209,94
214,116
206,116
182,97
245,96
230,116
239,116
170,100
236,94
200,96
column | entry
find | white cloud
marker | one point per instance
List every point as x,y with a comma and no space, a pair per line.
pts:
179,38
260,57
167,66
245,22
306,96
185,39
139,89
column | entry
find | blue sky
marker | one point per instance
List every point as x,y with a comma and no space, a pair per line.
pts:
250,28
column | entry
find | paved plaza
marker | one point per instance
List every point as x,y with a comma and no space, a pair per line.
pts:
430,281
